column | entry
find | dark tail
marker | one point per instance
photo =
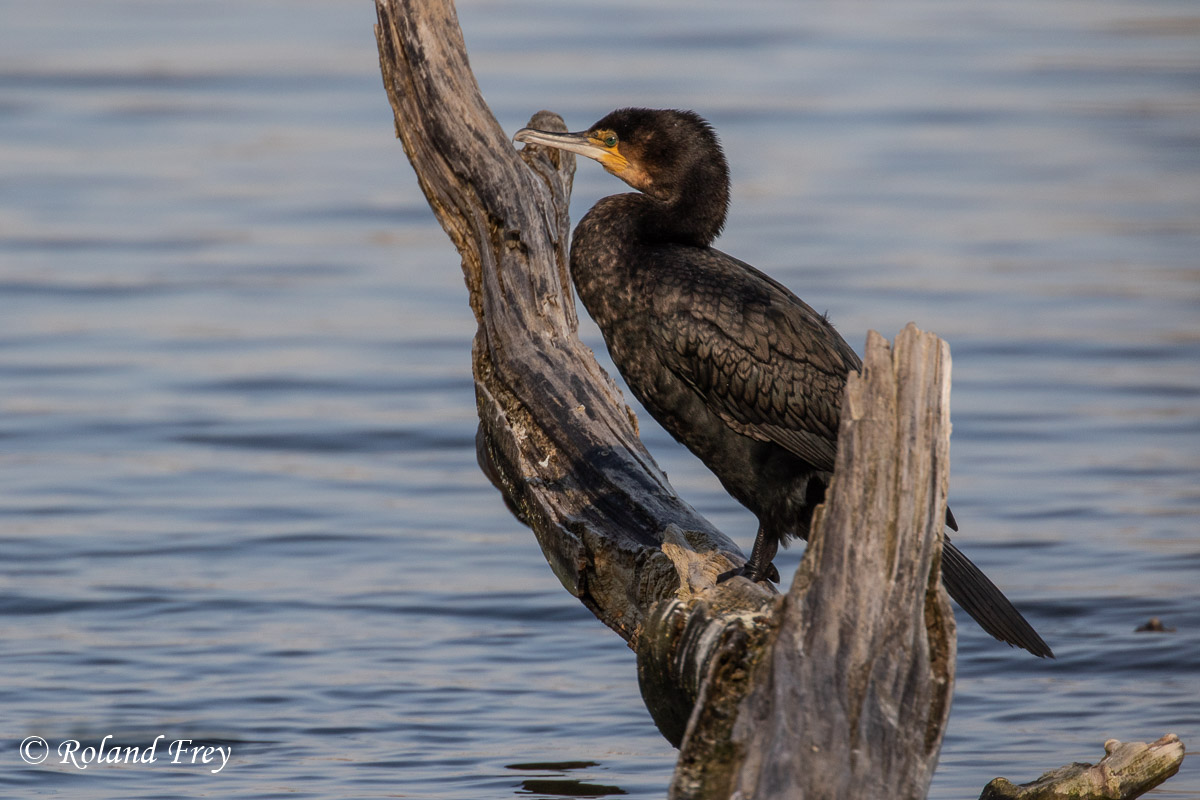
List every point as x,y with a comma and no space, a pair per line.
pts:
986,604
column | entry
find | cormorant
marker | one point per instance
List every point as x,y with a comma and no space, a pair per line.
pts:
731,363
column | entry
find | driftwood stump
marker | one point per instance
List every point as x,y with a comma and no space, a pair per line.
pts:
1127,770
839,689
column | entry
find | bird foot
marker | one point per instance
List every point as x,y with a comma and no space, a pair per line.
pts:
769,573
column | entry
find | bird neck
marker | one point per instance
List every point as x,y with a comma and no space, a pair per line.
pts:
609,246
690,211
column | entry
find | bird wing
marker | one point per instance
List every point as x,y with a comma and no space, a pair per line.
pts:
761,358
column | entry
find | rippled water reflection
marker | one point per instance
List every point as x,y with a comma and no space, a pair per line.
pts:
241,502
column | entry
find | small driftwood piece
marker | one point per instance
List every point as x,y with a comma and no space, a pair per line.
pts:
841,688
1127,770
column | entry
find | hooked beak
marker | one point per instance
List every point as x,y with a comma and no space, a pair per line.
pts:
578,143
585,143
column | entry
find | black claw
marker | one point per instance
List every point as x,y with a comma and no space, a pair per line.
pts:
770,574
733,573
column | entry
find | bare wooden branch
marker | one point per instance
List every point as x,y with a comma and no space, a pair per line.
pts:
1127,770
556,436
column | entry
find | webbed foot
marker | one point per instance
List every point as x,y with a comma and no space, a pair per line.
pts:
769,573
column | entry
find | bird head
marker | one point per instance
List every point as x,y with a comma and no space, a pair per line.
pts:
662,153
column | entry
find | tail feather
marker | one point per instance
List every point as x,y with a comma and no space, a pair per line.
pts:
986,604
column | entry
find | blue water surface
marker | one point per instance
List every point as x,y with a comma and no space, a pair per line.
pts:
239,503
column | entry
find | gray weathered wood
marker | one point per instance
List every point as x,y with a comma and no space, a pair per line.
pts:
555,434
1127,771
861,652
845,682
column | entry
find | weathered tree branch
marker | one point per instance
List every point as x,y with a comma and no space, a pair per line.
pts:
841,688
555,432
1127,770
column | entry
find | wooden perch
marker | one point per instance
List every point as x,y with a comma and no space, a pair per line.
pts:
555,435
840,689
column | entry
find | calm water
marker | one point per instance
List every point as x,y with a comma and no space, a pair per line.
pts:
240,502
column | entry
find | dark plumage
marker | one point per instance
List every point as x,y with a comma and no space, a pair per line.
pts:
730,363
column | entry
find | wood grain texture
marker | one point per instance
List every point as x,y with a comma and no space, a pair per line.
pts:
1128,770
555,434
850,695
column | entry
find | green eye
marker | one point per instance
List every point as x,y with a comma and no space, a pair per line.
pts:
610,140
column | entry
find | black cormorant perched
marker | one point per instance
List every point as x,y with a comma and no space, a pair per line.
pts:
730,363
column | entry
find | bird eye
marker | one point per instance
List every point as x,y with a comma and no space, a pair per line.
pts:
610,140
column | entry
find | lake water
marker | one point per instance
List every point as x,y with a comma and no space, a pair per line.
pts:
240,503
